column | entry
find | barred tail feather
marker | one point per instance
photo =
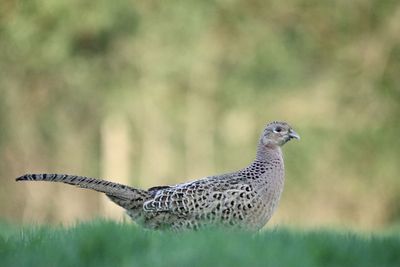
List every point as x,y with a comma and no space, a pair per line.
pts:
110,188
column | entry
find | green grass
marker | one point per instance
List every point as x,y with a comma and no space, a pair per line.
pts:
103,243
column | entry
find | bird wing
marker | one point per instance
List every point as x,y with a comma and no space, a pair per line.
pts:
200,195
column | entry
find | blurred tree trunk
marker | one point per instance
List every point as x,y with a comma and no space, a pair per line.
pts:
115,158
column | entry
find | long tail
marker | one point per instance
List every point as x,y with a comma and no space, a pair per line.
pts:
116,190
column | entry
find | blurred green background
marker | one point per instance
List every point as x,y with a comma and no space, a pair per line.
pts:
161,92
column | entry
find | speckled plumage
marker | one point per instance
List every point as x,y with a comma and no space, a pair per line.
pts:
244,199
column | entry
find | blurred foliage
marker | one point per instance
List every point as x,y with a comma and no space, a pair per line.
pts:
195,82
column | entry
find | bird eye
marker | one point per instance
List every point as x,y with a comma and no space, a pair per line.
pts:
278,129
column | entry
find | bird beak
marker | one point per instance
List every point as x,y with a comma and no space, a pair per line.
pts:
293,134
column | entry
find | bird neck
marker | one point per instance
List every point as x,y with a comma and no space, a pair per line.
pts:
268,153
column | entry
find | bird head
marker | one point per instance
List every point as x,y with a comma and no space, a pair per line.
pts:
278,133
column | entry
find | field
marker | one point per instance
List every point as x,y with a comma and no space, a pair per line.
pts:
149,93
105,243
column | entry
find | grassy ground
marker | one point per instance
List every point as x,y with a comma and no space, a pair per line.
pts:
103,243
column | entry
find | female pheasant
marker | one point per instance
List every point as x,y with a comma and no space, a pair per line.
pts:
243,199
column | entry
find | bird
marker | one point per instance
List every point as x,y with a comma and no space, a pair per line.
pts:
244,199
